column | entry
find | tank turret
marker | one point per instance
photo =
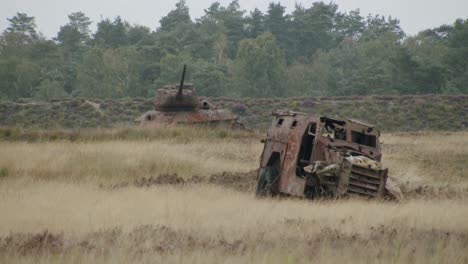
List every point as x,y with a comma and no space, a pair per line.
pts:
180,104
180,97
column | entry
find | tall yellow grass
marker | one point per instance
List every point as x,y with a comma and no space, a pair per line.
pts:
438,158
207,209
123,160
277,231
54,186
427,158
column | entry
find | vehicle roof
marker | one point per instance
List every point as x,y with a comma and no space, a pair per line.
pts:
287,113
360,122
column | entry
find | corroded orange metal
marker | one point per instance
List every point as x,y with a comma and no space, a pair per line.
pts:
180,104
315,154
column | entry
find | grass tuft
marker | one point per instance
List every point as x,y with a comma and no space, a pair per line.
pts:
185,194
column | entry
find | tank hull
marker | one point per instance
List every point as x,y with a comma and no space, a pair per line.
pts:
160,118
181,105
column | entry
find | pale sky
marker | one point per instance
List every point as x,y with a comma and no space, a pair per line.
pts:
414,15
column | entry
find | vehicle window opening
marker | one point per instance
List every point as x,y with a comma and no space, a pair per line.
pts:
305,152
205,105
334,129
294,124
274,160
280,122
363,139
312,129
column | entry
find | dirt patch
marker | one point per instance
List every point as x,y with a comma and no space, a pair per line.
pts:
161,179
141,240
96,106
149,239
437,192
244,182
38,243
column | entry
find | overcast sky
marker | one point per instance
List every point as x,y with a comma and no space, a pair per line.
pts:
414,15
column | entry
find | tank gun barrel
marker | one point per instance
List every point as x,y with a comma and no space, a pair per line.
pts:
179,93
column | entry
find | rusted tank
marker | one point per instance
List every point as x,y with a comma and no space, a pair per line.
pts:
180,104
311,156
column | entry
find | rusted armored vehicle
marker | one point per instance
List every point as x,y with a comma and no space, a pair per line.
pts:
180,104
311,156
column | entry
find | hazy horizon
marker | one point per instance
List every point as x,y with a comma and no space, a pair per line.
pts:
51,14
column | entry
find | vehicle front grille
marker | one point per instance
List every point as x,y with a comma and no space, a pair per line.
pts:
367,181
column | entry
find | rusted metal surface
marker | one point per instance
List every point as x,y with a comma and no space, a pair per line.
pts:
180,104
316,155
160,118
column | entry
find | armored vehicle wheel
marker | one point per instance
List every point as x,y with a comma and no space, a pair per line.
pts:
265,182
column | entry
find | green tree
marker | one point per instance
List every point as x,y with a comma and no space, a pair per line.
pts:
111,34
232,52
259,68
350,25
379,25
81,22
312,28
23,24
20,68
209,79
180,15
456,58
278,23
17,39
123,66
378,66
220,48
91,75
18,78
73,39
182,39
178,34
229,21
428,52
303,80
171,69
139,35
76,32
49,90
110,73
255,23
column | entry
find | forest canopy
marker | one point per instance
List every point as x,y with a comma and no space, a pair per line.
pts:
312,51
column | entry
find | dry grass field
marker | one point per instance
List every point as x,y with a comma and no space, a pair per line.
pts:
166,198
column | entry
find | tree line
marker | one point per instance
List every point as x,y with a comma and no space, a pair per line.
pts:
311,51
